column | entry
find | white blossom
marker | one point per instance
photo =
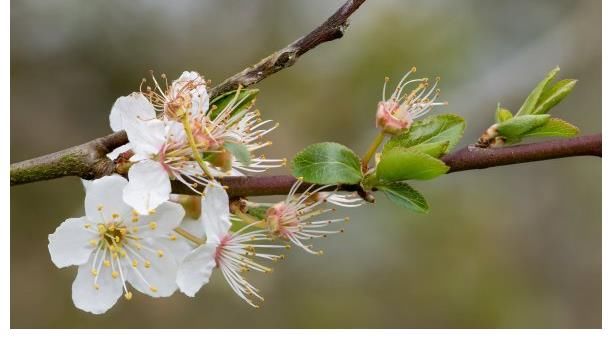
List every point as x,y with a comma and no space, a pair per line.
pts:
232,253
113,245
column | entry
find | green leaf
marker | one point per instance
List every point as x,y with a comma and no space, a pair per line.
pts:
502,114
529,105
327,163
399,164
554,95
240,151
554,128
436,149
518,126
244,99
404,195
434,129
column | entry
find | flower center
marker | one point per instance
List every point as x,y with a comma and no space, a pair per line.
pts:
280,217
119,245
220,249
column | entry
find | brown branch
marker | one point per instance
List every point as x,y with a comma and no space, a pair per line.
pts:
469,158
473,158
333,28
89,160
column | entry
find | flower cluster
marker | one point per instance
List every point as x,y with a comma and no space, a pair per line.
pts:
136,235
173,136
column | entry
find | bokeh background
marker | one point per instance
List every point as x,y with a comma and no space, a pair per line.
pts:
516,246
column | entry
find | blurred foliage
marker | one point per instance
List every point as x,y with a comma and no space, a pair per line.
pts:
516,246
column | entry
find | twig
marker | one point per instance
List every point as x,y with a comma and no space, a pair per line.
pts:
89,160
469,158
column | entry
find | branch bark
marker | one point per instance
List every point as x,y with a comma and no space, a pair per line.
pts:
468,158
89,160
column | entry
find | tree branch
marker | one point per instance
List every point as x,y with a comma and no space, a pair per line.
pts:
89,160
469,158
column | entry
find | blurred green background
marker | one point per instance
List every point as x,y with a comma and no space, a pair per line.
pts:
516,246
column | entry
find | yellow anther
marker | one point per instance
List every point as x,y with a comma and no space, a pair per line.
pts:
101,228
153,289
135,230
117,238
115,274
94,272
123,231
115,215
106,263
134,263
100,207
128,295
147,264
172,237
135,213
135,219
93,242
160,253
153,225
115,255
152,211
96,286
122,253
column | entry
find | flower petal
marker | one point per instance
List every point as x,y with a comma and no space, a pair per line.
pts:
98,300
149,186
70,243
118,151
159,222
103,199
159,278
178,246
195,270
133,107
147,137
215,212
198,93
194,227
175,131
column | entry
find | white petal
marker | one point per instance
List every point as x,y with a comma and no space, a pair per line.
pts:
70,243
178,246
175,131
118,151
85,295
86,183
215,212
158,280
194,227
132,107
103,198
194,272
199,95
149,186
147,137
160,222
